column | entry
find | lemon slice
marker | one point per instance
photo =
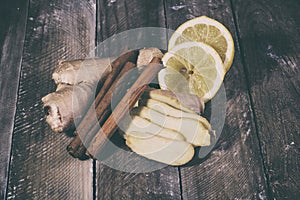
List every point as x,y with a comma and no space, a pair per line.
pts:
192,67
209,31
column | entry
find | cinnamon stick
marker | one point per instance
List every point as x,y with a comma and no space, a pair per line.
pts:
83,126
89,126
128,101
116,66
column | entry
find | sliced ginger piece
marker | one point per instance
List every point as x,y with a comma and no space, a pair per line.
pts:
161,149
139,124
194,131
185,102
171,111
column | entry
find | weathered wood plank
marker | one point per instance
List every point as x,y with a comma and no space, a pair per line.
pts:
112,183
40,165
12,34
125,179
269,35
234,169
118,16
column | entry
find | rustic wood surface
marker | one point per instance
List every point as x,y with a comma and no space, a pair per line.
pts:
40,167
269,37
12,33
257,154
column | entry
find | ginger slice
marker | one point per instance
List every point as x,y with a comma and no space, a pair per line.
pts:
161,149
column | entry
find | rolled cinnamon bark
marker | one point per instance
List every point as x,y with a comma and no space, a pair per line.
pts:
127,102
88,127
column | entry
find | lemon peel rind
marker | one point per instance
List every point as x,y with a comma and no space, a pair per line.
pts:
207,21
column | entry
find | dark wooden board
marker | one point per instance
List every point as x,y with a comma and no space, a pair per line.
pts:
118,16
40,166
270,42
257,156
233,170
114,17
12,33
132,182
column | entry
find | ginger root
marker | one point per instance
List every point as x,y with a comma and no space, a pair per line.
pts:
76,83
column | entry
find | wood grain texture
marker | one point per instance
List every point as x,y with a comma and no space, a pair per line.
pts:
233,170
115,17
12,32
269,35
40,165
124,25
161,184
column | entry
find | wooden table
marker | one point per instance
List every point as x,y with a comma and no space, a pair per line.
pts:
258,153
